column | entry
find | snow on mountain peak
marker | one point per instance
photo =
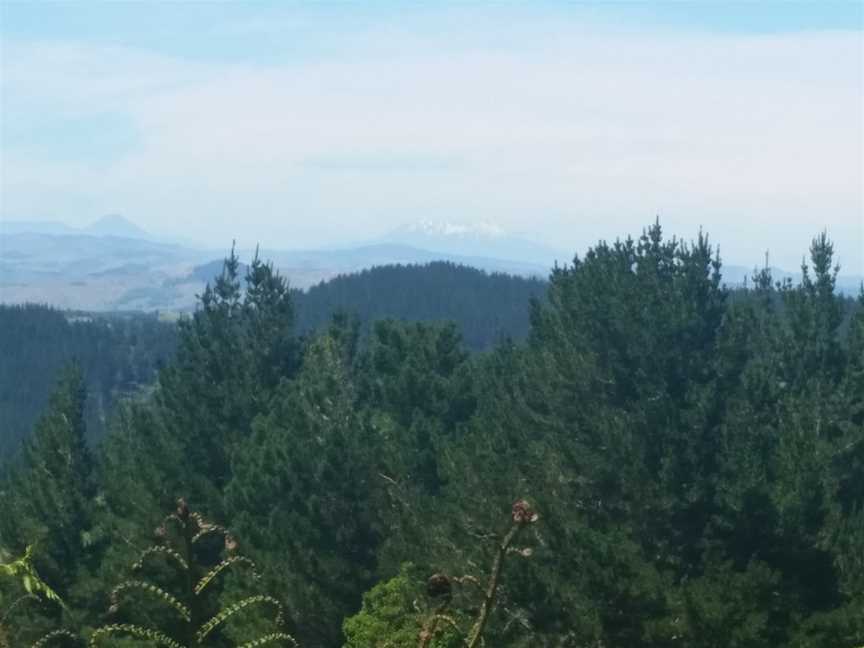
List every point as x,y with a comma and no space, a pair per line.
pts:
479,239
483,229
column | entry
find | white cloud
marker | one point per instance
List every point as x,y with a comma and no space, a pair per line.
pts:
580,136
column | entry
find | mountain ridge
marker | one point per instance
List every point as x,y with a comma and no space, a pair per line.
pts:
108,225
96,269
116,225
483,239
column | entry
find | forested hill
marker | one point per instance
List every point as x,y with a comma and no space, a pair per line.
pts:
117,354
694,464
487,307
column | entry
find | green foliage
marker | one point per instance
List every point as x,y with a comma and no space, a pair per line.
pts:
321,541
396,613
231,356
27,590
46,497
391,616
22,569
417,380
698,454
22,572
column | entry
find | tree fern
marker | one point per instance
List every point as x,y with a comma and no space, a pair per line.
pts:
189,564
522,515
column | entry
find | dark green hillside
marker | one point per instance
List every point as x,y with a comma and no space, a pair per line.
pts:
117,354
487,307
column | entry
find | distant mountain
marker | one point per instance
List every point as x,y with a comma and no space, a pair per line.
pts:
115,265
107,269
116,225
110,225
484,239
95,272
80,255
53,228
298,264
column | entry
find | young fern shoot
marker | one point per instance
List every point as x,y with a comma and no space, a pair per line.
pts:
440,586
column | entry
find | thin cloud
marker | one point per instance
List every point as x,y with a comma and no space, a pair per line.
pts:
756,138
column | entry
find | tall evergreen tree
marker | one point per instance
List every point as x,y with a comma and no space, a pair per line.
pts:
417,378
46,498
301,492
231,356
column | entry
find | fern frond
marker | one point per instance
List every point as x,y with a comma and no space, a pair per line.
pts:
17,602
207,528
230,611
160,549
275,636
179,549
222,566
56,634
136,631
175,518
171,600
199,519
448,620
468,579
23,569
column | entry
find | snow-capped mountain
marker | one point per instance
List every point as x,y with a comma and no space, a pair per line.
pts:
482,239
482,230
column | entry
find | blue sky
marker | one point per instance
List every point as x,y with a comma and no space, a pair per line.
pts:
316,124
180,28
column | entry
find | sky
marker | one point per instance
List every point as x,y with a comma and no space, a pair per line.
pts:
321,124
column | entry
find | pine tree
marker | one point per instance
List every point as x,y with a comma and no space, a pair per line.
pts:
232,355
301,494
46,499
417,379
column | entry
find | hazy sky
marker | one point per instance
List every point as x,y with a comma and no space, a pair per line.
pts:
299,125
